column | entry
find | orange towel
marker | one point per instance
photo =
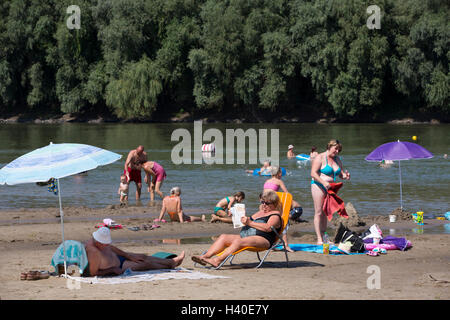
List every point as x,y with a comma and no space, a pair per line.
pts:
333,203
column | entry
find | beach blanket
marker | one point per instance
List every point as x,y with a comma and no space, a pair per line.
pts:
315,248
75,254
152,275
333,203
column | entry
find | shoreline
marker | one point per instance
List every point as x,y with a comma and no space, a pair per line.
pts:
189,118
78,220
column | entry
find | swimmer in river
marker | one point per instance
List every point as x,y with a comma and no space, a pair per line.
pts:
265,169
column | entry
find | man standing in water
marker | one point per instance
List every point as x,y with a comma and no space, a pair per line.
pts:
133,166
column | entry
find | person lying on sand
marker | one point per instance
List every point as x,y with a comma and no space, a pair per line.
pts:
106,259
256,232
172,204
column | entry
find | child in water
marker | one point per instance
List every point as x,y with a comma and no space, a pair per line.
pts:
123,189
172,204
265,169
222,208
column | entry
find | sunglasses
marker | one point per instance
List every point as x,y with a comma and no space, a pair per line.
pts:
266,203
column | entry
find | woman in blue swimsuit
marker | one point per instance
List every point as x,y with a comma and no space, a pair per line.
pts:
325,168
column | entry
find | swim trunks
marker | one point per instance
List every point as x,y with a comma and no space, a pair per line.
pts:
135,175
122,259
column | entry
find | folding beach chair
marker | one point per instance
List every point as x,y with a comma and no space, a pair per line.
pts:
286,201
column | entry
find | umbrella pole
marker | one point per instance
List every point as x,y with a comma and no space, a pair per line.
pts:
61,214
400,174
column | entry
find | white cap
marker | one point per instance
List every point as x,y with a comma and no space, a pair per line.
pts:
290,147
102,235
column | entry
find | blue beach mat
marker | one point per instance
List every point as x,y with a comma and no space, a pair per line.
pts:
315,248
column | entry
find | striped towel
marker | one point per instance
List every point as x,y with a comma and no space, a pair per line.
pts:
75,254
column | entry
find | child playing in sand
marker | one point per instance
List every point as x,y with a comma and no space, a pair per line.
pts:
222,208
123,189
172,204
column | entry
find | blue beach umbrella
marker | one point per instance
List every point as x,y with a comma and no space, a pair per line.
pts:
55,161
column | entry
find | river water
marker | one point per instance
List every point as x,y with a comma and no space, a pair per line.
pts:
372,189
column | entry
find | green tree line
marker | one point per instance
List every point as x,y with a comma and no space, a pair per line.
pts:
140,58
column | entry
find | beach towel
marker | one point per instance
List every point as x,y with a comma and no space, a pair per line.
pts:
152,275
75,254
316,248
333,203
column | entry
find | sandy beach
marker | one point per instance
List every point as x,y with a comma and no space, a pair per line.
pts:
29,237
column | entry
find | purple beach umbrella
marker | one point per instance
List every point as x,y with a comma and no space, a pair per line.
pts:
398,151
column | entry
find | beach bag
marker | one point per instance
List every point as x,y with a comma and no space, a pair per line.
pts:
343,235
357,243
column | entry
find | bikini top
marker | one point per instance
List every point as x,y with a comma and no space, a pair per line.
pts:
329,171
272,186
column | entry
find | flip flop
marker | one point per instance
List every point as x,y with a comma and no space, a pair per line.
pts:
134,228
198,260
372,253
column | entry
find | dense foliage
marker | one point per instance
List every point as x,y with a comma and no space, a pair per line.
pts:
141,58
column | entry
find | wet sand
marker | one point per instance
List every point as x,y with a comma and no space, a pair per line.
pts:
28,239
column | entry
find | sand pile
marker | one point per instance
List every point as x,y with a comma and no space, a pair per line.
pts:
354,220
402,214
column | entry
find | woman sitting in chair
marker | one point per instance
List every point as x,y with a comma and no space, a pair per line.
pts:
257,232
